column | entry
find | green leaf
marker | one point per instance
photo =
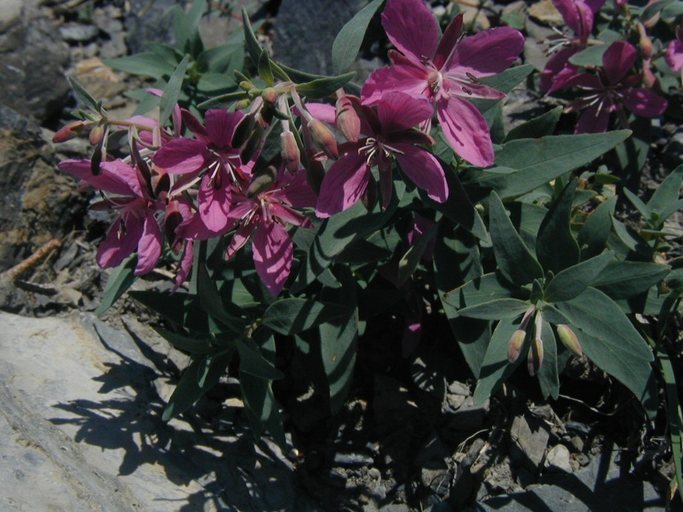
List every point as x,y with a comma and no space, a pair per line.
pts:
251,43
556,248
172,90
536,127
624,279
215,83
496,309
145,64
262,406
594,234
525,164
591,56
348,41
573,280
83,96
674,415
187,23
508,79
223,99
411,259
480,290
253,363
323,87
665,199
120,279
212,302
642,208
609,339
188,344
495,368
291,316
548,373
513,258
265,71
203,373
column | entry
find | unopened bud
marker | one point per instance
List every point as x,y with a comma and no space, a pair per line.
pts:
289,151
515,345
269,95
569,339
324,137
261,182
347,119
651,22
68,131
645,42
246,85
96,135
535,356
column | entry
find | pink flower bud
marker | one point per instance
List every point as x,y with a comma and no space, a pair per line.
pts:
645,42
347,119
324,137
515,345
535,356
569,339
269,95
289,151
96,135
68,131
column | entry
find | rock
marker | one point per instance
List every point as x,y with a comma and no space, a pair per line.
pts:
557,459
305,31
39,203
80,427
468,416
78,32
99,80
33,61
150,22
529,441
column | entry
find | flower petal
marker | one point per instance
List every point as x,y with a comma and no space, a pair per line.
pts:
221,126
343,184
181,156
674,55
398,111
466,131
295,190
121,240
448,42
239,239
486,53
644,102
185,265
577,14
411,27
272,250
618,60
558,71
107,181
149,245
213,202
322,112
424,170
595,119
410,79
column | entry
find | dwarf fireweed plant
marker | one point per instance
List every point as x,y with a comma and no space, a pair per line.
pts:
303,211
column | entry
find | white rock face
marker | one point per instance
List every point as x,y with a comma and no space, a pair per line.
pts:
80,429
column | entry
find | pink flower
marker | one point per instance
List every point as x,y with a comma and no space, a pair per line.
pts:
674,52
211,150
261,214
135,228
612,89
579,16
445,70
388,134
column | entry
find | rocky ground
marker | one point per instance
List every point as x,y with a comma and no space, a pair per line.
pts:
81,397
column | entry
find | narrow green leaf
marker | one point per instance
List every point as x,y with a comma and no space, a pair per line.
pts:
264,69
548,373
513,258
594,234
120,279
348,41
624,279
556,248
573,280
591,56
83,96
251,43
290,316
263,408
212,302
480,290
145,64
496,309
188,344
172,91
536,127
674,415
642,208
508,79
223,99
187,23
253,363
323,87
411,259
664,201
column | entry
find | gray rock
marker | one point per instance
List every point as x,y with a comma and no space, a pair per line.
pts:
468,416
33,61
78,32
39,203
529,441
305,31
557,459
150,22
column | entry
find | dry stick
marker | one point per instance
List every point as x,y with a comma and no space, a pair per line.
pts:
10,275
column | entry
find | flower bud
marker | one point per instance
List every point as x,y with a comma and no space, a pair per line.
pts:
242,104
645,42
289,151
569,339
535,356
347,119
261,182
515,345
246,85
324,137
68,131
269,95
96,135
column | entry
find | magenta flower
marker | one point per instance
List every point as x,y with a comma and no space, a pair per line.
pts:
612,89
388,133
261,214
445,70
674,52
211,150
135,228
579,16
